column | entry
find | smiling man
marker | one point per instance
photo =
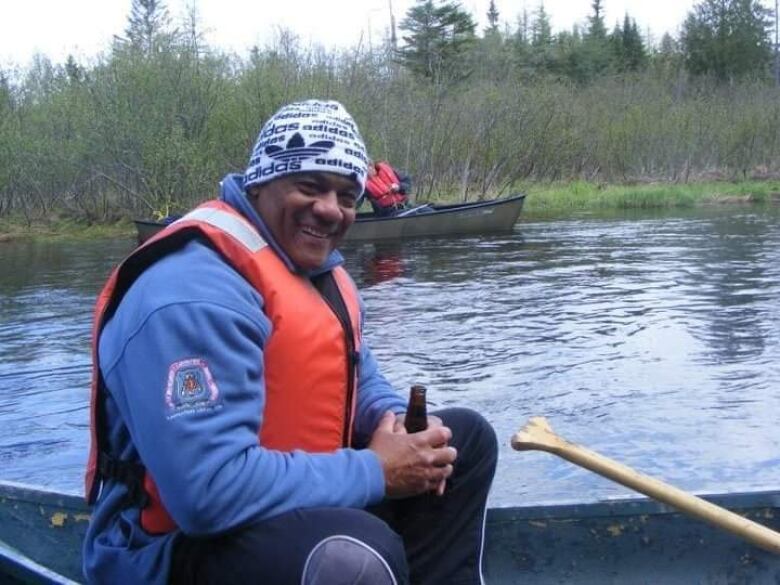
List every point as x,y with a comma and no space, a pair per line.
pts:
241,429
307,214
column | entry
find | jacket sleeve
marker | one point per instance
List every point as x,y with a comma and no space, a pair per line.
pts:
211,472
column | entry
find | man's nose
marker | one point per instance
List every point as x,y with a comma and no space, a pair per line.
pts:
327,206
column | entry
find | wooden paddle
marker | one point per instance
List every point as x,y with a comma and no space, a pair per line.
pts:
538,435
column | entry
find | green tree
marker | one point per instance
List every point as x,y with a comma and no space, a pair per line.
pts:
628,47
571,58
541,31
522,35
727,39
73,70
147,25
494,56
668,55
635,54
519,41
439,35
596,28
542,54
596,56
6,97
492,16
8,142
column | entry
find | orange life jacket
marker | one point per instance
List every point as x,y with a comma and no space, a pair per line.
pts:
308,347
380,187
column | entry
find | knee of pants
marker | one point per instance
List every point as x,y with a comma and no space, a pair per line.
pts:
478,436
345,560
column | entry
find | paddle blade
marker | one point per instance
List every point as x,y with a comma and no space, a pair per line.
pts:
537,434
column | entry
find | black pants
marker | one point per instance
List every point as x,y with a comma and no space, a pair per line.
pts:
422,540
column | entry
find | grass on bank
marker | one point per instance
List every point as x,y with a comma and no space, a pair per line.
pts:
582,195
15,228
543,199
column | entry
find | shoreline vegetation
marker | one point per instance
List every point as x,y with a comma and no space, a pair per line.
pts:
582,119
544,200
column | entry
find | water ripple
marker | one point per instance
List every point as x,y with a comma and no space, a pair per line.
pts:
645,339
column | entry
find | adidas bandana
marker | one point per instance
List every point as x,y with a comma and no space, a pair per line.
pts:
309,136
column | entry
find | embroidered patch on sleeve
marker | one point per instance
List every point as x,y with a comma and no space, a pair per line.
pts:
190,388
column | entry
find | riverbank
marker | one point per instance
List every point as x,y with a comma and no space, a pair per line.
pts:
14,229
581,195
544,199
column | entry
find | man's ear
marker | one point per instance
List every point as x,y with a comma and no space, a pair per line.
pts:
253,191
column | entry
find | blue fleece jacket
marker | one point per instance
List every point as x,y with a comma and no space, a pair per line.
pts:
209,468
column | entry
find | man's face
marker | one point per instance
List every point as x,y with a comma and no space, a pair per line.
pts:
307,214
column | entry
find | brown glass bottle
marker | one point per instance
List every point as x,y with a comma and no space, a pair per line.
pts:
416,419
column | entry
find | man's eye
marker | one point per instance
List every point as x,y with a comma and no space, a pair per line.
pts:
347,200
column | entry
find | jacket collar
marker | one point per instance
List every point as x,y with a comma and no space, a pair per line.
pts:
231,191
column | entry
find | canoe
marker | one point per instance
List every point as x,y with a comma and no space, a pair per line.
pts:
455,219
624,541
40,535
477,217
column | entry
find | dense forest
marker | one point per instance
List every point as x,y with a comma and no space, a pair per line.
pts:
152,124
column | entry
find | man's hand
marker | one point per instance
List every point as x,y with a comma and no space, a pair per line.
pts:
398,426
413,463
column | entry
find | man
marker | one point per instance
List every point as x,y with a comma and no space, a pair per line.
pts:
242,432
387,189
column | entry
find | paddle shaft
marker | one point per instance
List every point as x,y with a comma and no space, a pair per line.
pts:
753,532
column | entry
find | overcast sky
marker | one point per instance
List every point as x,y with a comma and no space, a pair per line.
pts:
85,27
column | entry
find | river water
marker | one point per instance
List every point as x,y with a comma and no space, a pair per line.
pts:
650,338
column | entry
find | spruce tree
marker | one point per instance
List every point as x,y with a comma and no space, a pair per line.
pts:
628,47
727,39
146,25
492,16
439,35
541,31
596,27
596,57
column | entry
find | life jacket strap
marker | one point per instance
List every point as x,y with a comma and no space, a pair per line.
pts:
128,473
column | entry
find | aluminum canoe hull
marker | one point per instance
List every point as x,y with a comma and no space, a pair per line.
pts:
622,542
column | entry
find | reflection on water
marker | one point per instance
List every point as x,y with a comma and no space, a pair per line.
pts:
381,262
651,339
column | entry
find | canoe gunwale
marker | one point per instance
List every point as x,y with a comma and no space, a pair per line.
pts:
630,506
443,209
21,492
41,532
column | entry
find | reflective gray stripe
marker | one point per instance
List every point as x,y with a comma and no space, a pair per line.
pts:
482,545
228,223
353,540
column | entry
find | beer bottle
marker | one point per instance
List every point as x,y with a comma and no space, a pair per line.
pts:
416,419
